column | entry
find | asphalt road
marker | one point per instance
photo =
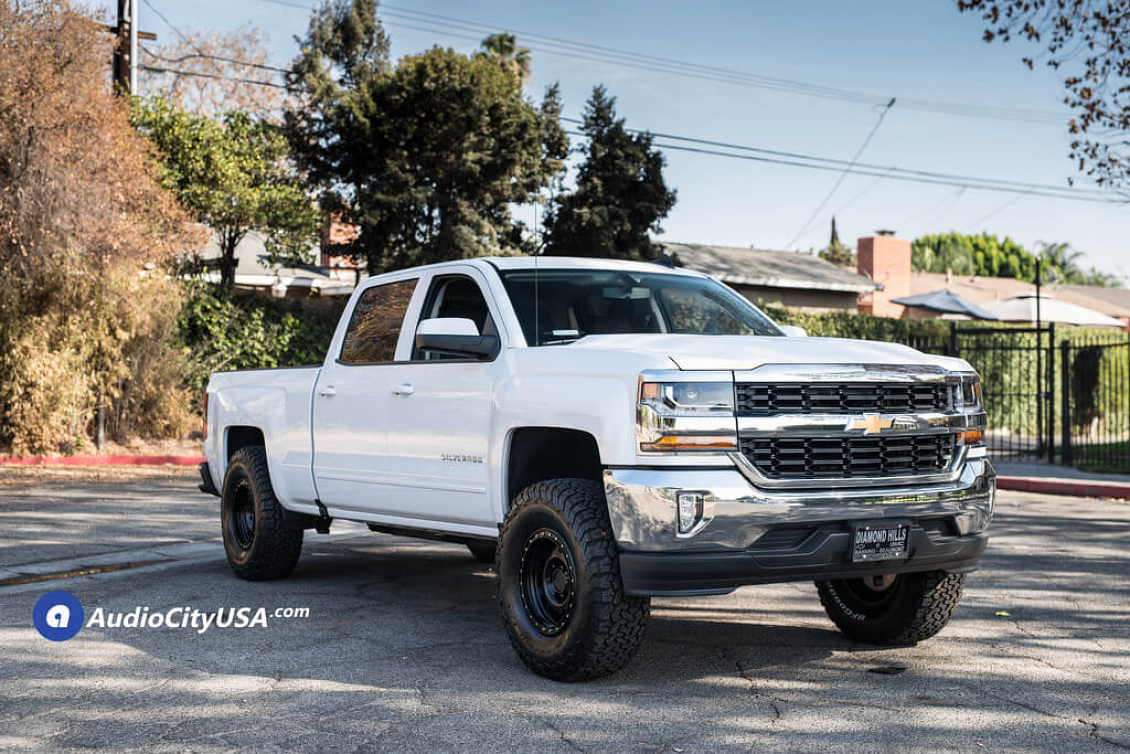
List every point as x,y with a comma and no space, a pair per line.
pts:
404,649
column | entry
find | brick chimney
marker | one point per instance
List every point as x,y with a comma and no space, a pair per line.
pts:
886,260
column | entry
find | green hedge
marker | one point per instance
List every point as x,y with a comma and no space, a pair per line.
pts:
221,331
917,332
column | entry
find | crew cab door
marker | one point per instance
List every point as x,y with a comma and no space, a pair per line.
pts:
350,402
439,414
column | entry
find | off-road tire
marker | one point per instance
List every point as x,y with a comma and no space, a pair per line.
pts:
603,629
483,551
272,550
918,606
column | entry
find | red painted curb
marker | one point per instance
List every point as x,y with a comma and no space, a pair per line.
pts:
104,461
1074,487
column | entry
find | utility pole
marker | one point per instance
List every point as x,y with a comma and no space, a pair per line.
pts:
127,61
133,61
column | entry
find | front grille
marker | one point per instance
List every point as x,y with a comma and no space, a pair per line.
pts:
847,457
767,399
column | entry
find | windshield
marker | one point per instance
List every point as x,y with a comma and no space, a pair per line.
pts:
569,304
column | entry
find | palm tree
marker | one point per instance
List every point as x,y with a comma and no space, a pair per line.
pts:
1064,260
504,49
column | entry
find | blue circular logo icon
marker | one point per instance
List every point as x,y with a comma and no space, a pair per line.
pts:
57,615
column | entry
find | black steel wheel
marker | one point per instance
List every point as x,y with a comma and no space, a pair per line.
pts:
547,581
563,602
242,520
895,609
258,544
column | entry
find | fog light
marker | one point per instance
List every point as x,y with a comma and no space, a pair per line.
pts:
690,507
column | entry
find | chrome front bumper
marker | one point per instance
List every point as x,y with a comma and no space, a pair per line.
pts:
753,535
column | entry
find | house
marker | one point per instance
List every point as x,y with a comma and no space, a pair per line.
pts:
321,275
885,259
794,279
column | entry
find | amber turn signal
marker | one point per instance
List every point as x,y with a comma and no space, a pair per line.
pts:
972,436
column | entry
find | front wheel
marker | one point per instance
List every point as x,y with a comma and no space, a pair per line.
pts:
563,602
894,609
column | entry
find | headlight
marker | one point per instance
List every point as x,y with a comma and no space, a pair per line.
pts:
971,393
686,416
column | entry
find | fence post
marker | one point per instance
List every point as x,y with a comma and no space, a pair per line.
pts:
953,338
1065,417
1050,394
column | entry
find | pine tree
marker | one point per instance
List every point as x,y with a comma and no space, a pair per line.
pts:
620,196
835,252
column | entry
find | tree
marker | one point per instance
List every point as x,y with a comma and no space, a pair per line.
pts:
987,255
835,252
1061,263
620,196
234,176
424,158
210,73
503,49
1090,40
86,314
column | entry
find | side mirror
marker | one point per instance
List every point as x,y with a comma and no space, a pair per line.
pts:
792,331
455,336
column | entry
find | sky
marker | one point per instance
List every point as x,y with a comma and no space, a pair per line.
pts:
889,48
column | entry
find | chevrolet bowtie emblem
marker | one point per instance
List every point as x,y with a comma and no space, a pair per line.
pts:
871,424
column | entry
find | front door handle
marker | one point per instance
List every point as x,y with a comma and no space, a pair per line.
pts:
404,388
327,391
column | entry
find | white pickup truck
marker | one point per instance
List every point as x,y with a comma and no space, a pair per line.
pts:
604,432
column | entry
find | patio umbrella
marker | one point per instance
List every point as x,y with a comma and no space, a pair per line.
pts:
946,302
1022,308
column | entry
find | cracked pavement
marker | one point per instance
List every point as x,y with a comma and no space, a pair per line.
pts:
404,648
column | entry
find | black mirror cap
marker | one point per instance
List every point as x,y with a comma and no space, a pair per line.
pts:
471,346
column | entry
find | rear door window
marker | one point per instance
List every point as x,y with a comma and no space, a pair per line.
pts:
375,324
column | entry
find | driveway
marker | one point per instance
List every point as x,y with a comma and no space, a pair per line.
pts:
404,649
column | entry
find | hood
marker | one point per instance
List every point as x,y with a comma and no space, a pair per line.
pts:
743,352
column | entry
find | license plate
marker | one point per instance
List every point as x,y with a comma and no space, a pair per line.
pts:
882,541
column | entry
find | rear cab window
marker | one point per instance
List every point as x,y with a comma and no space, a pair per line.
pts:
376,322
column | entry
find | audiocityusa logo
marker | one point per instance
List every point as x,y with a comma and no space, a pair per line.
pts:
58,616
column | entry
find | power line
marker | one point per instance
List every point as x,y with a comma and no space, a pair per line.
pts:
210,56
459,28
840,180
998,210
971,184
869,166
200,74
670,65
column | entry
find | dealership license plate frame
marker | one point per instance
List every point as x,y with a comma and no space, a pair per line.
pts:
876,549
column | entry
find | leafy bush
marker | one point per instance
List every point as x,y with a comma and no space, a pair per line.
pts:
221,331
927,334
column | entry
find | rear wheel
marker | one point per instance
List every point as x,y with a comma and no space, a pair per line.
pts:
893,609
559,584
258,545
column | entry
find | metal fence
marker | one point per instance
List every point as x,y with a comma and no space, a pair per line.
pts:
1052,397
1094,386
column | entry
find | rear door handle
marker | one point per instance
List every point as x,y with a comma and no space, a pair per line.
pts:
328,391
404,388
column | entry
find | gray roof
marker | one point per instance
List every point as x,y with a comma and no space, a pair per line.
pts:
769,269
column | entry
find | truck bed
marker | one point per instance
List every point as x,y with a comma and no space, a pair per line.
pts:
278,402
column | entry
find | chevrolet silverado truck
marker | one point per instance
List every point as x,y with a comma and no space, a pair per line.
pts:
604,432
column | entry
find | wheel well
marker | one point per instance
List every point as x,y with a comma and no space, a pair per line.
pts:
539,453
243,437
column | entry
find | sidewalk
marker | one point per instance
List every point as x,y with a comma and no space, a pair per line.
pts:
1060,480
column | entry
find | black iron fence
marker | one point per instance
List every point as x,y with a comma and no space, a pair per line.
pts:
1054,397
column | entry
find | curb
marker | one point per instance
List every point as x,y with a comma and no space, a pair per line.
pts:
103,461
1073,487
